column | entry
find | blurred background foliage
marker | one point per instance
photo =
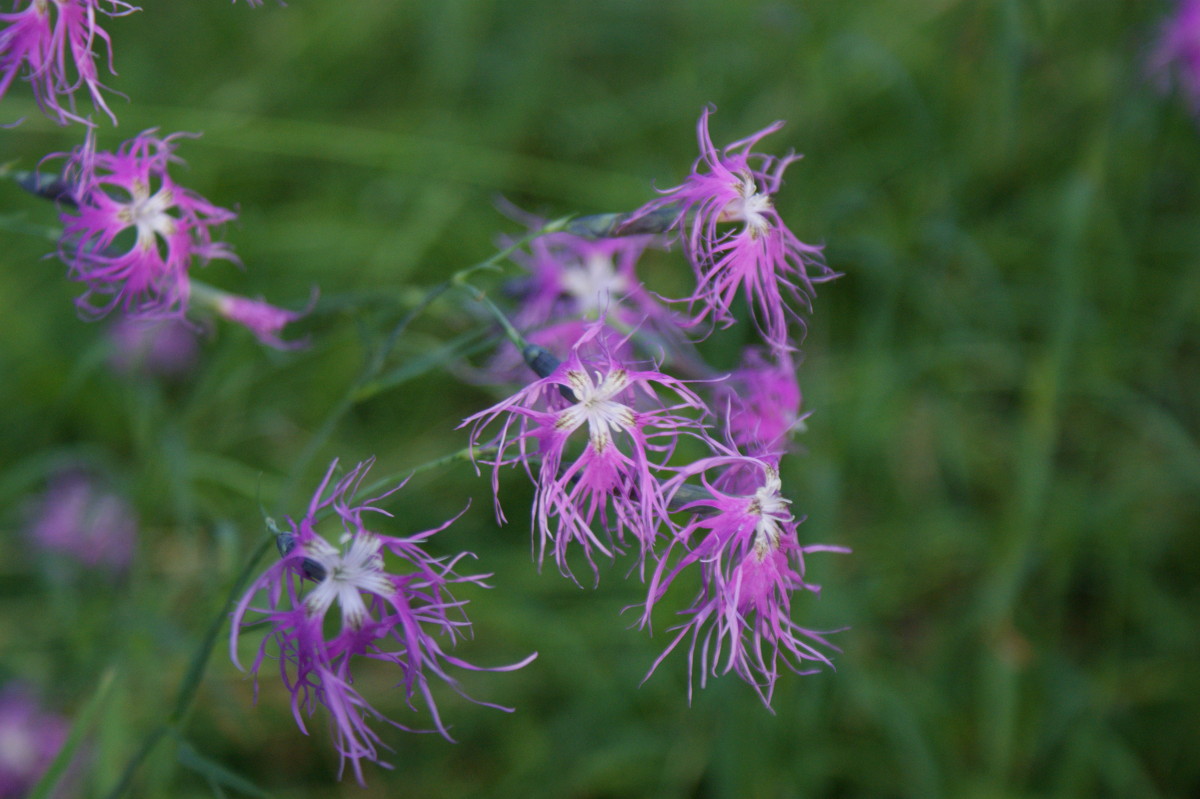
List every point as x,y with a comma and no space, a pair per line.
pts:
1005,426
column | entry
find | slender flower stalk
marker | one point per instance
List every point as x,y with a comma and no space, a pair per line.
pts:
752,565
52,44
357,609
735,239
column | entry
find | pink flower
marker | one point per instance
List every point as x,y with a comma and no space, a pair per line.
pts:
78,518
357,609
752,564
52,42
168,227
762,399
1178,50
573,277
735,238
606,474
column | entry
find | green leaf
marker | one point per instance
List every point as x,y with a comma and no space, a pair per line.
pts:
217,775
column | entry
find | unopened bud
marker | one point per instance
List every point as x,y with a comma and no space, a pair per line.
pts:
48,187
543,363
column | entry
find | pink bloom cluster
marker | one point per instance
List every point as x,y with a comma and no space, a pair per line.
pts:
741,534
52,44
599,437
621,450
396,614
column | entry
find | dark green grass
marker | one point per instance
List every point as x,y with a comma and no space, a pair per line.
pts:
1005,425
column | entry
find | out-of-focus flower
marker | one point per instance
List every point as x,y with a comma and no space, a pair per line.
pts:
576,278
572,277
762,399
78,518
610,476
752,563
508,366
400,619
165,347
52,44
135,232
1178,52
264,320
734,237
29,740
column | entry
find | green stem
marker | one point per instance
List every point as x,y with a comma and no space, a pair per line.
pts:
191,681
377,359
466,454
483,299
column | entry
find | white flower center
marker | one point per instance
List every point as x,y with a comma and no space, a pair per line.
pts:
771,509
594,284
597,407
347,573
749,207
148,213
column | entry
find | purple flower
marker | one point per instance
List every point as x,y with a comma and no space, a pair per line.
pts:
608,476
734,237
52,43
398,619
572,277
1178,50
78,518
751,562
162,228
166,347
762,397
575,278
30,738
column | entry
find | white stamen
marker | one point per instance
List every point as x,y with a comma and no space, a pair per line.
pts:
771,509
749,207
359,568
148,213
596,406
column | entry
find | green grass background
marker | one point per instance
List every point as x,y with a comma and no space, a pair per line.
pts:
1004,389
